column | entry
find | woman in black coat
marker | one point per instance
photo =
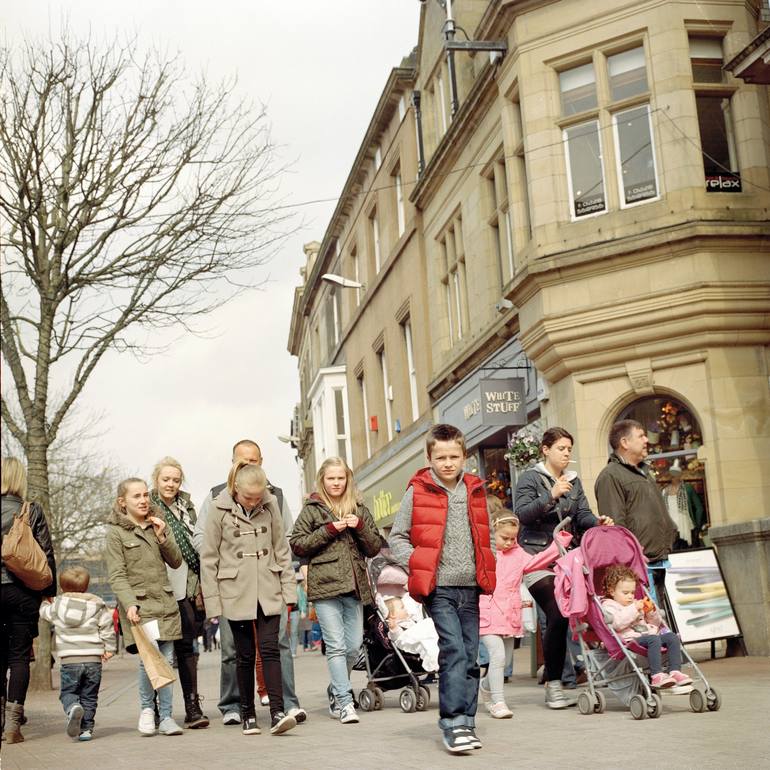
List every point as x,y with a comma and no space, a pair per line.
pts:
544,496
20,605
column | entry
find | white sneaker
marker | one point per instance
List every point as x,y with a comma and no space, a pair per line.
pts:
264,700
348,715
499,710
231,718
147,722
168,726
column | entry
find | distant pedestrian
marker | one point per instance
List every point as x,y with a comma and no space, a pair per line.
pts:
179,514
139,546
336,532
85,638
248,578
19,603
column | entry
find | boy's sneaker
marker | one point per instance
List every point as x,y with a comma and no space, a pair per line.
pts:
499,710
147,722
168,726
231,718
74,717
457,741
86,735
662,681
348,715
484,694
679,678
300,715
281,723
250,726
471,733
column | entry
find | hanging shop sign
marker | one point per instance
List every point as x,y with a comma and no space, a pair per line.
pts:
503,401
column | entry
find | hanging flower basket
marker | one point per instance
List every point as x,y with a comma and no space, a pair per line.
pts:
523,449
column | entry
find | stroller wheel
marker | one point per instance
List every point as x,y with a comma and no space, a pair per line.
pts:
713,701
655,709
379,698
601,702
366,700
585,703
697,701
423,698
407,700
638,707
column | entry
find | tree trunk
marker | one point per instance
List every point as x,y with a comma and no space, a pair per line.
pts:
37,490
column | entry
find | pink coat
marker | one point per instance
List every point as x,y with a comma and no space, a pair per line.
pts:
629,622
500,613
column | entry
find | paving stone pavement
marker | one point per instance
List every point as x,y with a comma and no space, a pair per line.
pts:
736,736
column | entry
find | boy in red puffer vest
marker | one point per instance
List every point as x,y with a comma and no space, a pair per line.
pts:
442,535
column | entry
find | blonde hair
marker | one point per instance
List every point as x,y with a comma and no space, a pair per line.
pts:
350,498
74,579
503,517
165,462
245,473
14,477
123,488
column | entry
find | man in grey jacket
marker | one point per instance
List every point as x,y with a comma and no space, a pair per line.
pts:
229,701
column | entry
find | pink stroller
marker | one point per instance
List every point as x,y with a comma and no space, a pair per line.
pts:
578,589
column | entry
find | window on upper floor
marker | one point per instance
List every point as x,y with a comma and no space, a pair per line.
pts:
398,193
500,219
387,389
355,269
401,107
374,227
377,158
340,423
713,100
617,130
453,276
365,409
411,369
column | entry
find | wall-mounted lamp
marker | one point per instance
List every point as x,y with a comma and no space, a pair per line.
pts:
346,283
289,439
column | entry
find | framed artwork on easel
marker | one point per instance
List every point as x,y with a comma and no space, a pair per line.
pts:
701,609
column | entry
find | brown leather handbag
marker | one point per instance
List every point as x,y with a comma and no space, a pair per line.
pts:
23,555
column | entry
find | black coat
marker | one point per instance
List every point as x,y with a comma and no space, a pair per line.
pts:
539,514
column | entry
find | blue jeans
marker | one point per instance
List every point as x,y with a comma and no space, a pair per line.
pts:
294,631
455,613
342,625
165,694
79,683
653,643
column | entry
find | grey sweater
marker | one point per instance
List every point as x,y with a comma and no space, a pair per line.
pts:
457,563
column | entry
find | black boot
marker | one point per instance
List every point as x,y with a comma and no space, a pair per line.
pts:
194,718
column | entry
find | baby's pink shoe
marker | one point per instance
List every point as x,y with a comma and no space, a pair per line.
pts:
662,681
680,678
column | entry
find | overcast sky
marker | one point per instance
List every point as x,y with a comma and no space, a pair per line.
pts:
320,68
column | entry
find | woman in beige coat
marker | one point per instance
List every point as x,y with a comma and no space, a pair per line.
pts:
246,575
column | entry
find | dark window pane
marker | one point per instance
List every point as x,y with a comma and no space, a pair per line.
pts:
712,122
578,89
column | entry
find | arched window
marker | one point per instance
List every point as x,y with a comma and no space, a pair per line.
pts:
675,435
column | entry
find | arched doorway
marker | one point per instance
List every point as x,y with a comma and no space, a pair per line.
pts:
675,435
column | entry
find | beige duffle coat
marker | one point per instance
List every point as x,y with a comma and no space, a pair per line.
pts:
246,561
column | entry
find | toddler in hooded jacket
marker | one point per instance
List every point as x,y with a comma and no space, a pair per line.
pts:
85,637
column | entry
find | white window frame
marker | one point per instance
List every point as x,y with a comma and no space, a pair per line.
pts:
442,103
344,436
565,139
322,398
618,165
336,316
356,276
362,385
401,214
376,241
388,393
412,372
449,311
509,239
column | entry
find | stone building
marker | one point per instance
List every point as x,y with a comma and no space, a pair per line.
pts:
590,188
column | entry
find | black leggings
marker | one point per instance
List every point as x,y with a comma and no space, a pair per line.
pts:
19,628
555,636
183,648
246,659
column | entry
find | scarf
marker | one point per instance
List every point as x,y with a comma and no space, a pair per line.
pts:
182,536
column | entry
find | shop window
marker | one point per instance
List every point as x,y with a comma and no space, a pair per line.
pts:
674,435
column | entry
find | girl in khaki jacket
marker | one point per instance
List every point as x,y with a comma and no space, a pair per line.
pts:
246,575
139,546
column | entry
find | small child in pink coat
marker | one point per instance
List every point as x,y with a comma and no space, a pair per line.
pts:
500,614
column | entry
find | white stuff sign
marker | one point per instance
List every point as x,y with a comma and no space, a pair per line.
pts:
503,402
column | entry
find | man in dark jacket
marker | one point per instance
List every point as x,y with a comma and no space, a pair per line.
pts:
626,491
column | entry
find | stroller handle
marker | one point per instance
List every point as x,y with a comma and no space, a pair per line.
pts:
563,524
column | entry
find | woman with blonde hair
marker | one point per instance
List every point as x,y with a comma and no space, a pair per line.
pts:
247,576
179,513
336,532
139,546
20,604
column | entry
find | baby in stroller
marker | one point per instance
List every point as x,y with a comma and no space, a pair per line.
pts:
639,619
408,628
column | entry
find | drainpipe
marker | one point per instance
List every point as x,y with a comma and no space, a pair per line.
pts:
449,34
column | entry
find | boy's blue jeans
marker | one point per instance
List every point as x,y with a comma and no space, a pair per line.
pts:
455,613
79,683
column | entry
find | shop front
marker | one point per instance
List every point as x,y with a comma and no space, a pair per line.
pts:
488,406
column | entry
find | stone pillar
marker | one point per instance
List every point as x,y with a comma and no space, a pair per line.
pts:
744,553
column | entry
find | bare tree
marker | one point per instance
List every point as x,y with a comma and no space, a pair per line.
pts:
131,198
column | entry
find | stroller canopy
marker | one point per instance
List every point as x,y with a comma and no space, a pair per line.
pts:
604,546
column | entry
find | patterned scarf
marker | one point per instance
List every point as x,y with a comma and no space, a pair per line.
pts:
182,535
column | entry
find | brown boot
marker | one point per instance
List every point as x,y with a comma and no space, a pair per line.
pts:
13,716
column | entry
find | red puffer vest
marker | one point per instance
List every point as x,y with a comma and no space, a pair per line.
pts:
430,506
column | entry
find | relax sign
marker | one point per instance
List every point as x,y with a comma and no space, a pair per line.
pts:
503,402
